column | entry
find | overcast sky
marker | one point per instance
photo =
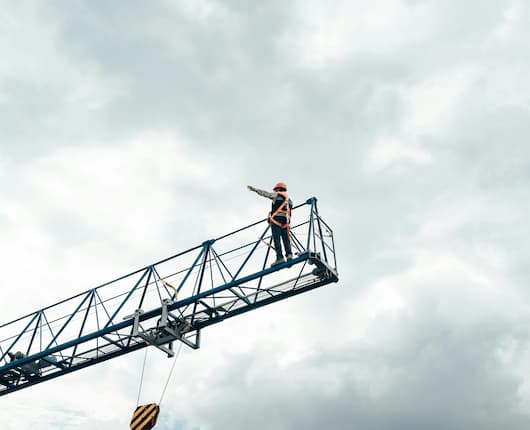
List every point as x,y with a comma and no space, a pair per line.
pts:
130,129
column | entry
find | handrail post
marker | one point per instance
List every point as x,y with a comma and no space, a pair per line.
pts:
312,201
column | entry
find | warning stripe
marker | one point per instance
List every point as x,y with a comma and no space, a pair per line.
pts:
143,416
138,411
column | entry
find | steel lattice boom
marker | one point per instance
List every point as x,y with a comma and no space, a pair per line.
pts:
170,300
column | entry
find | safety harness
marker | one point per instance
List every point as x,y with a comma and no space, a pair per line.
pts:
284,208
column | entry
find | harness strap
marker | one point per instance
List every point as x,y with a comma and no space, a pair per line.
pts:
282,210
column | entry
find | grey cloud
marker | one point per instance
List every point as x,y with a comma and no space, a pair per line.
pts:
422,373
229,81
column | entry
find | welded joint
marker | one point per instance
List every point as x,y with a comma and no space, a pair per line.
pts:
208,243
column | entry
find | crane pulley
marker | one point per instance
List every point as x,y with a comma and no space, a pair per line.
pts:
145,417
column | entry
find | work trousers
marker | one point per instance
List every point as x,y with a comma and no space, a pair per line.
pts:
281,235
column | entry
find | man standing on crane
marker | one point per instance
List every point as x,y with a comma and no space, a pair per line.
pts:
279,219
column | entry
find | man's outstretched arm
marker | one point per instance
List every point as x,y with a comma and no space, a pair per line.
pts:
263,193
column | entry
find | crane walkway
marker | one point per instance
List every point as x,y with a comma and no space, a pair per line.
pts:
168,301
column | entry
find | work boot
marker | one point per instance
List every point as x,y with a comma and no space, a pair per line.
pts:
279,260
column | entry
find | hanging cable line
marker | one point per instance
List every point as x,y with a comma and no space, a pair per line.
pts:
170,373
142,378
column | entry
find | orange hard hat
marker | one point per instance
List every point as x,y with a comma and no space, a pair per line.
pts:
280,185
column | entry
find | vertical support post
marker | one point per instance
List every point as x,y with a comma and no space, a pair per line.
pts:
320,233
334,253
311,202
136,325
206,252
163,316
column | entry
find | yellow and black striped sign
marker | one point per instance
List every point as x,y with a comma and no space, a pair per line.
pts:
145,416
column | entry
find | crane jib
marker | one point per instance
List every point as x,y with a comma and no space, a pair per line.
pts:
169,301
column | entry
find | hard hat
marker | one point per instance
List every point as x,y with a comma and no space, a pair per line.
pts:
280,185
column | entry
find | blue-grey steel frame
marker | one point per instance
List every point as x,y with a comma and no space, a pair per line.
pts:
204,285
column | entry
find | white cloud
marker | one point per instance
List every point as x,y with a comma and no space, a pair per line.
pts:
429,108
390,153
512,23
448,214
199,10
432,103
329,33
